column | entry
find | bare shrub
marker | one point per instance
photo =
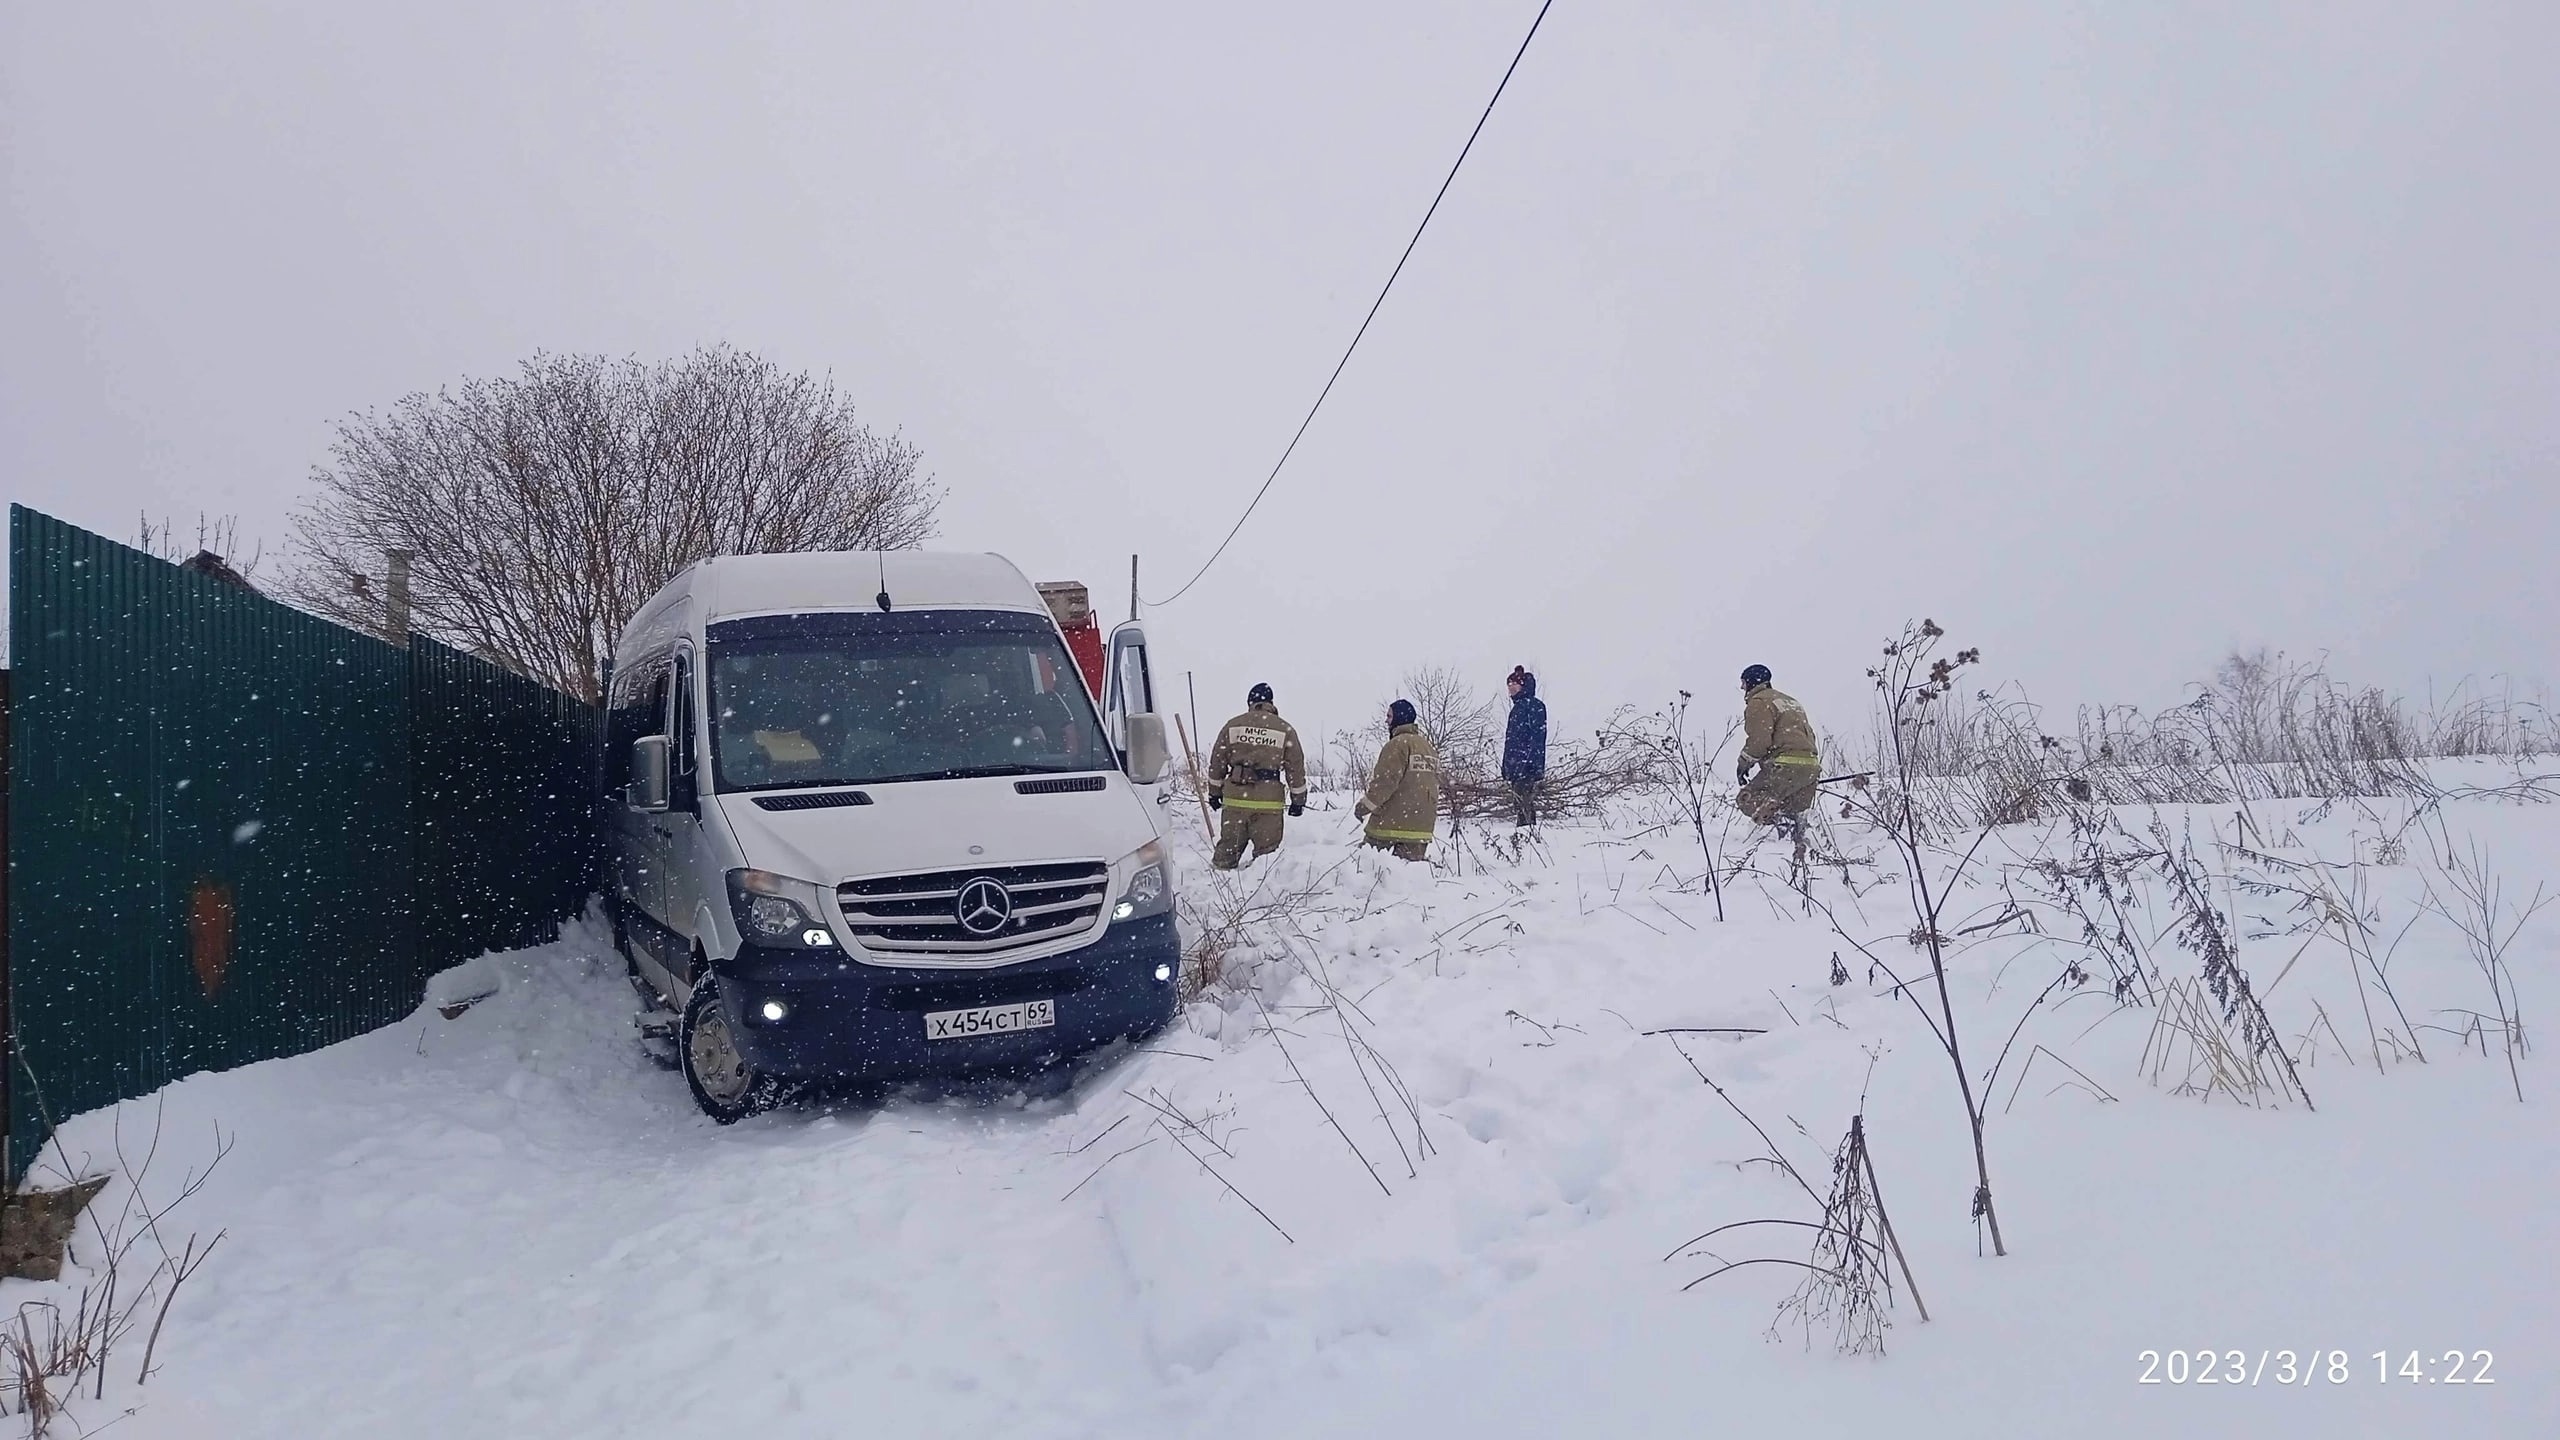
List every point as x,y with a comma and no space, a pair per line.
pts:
217,540
54,1352
1463,726
2473,721
1352,754
1910,685
1584,777
2266,728
542,509
1974,760
1668,759
1846,1284
1235,920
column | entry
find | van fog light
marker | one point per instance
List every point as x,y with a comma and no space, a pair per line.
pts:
815,936
1163,973
1124,910
774,1011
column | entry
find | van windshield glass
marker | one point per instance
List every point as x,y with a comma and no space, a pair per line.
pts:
862,699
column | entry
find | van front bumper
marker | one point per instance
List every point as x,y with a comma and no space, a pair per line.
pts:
848,1020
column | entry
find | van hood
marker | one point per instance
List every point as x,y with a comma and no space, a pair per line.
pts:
935,825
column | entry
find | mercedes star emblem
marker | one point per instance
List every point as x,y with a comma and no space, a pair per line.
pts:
984,906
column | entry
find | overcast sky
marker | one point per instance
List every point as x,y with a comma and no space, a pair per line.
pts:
2111,336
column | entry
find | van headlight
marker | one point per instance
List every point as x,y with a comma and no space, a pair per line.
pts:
777,910
1149,890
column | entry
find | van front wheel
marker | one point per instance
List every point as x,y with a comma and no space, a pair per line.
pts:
724,1084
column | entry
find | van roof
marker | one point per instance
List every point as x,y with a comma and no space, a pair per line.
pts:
736,585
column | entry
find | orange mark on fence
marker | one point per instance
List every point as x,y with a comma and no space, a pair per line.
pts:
210,914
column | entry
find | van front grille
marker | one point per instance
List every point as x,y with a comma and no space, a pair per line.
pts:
1007,907
1072,784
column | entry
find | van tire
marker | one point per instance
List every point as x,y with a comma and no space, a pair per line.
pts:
724,1085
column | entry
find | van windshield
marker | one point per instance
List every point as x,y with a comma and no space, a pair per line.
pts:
860,699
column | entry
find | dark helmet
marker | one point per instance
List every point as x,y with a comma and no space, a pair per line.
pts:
1755,676
1258,695
1400,713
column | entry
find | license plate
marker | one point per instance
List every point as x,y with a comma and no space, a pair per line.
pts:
990,1020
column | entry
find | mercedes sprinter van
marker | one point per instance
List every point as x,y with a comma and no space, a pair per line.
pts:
867,820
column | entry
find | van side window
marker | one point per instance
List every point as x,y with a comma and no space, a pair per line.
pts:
638,705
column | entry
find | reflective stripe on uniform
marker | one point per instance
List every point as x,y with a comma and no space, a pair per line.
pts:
1252,804
1813,760
1409,836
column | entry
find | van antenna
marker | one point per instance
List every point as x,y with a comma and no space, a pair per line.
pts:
883,597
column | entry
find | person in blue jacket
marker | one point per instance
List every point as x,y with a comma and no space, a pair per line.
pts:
1524,745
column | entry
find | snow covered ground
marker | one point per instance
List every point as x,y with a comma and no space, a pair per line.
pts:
511,1224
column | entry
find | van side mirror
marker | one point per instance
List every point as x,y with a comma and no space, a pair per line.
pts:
648,788
1147,755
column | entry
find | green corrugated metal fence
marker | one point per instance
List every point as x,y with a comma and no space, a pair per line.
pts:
237,831
504,773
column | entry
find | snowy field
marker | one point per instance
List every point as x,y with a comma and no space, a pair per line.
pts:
1438,1200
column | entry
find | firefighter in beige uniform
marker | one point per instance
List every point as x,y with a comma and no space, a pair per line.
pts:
1256,754
1402,803
1781,762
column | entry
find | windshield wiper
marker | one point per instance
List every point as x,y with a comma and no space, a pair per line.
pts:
976,772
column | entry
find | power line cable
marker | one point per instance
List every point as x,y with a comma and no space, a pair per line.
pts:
1372,315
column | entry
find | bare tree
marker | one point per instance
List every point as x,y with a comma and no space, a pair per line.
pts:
2252,688
1459,719
1463,727
541,509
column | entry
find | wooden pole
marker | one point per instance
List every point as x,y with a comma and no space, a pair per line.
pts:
1199,785
1884,1221
1194,692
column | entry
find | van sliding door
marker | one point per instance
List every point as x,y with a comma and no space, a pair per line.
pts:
680,828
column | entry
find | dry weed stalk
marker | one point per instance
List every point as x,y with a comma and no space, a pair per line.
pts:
2336,901
2233,1035
2210,1050
2097,885
1269,918
2471,897
1679,768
